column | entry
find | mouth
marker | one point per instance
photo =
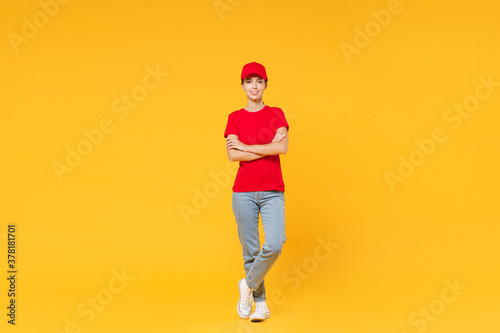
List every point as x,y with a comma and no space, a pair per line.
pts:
254,93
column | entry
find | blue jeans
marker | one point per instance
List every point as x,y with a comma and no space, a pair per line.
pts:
257,261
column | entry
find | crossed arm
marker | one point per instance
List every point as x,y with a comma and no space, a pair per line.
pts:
238,151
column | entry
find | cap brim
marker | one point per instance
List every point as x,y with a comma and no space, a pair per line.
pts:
253,74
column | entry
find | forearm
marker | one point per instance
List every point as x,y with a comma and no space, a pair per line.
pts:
238,151
238,155
273,148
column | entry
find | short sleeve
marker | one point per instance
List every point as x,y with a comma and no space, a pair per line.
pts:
279,119
231,127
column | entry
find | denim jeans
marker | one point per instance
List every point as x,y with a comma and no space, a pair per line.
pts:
256,261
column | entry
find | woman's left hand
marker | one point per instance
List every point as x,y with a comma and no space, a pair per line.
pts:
233,143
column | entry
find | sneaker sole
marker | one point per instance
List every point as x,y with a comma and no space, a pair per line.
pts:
257,319
242,316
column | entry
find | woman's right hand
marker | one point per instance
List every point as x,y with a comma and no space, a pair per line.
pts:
278,137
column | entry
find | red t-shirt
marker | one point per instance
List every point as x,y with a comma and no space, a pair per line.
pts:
257,128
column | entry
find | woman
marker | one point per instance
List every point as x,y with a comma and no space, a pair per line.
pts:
255,136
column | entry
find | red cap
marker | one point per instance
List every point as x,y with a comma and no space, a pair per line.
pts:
253,68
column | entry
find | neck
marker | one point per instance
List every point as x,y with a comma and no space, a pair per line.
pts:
253,106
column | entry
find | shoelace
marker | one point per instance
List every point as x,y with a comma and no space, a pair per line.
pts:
259,307
245,298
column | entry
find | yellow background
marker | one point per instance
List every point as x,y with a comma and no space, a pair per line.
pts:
349,123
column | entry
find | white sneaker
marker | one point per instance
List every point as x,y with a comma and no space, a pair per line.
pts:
261,312
246,299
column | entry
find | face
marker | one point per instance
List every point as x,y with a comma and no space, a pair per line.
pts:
254,87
